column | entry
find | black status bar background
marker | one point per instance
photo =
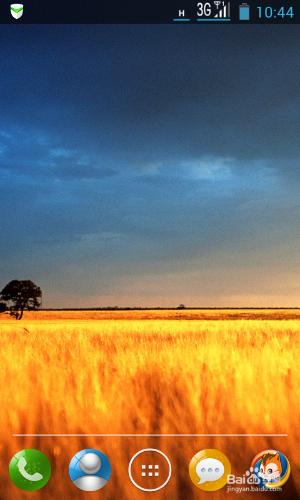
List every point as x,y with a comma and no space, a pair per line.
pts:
133,11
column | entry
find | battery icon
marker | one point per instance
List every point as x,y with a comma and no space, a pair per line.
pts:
244,14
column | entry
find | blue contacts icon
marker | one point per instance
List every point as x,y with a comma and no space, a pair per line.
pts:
89,470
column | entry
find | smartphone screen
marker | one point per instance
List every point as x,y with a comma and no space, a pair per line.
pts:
149,244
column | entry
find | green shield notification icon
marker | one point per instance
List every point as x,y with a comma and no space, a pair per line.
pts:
30,470
16,10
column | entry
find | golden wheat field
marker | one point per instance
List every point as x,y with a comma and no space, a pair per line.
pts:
170,372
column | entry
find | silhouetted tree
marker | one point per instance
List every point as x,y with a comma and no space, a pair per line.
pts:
181,306
21,295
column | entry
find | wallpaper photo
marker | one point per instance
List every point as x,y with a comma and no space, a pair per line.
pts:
149,250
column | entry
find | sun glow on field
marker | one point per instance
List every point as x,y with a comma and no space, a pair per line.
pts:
61,374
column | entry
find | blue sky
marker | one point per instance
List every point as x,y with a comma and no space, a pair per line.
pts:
151,165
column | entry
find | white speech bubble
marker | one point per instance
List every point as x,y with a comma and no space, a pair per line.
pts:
209,469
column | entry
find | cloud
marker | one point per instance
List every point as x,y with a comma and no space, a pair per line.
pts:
203,168
33,156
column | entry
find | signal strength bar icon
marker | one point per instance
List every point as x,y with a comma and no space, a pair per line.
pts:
224,12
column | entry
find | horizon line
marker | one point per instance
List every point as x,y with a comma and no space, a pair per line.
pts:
153,308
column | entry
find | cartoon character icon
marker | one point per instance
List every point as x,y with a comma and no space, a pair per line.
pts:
270,467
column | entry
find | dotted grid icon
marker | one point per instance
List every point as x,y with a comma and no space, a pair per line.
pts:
150,470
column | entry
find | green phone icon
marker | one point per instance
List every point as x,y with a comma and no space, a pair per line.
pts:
30,470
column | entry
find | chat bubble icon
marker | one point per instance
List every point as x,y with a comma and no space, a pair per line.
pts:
209,469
